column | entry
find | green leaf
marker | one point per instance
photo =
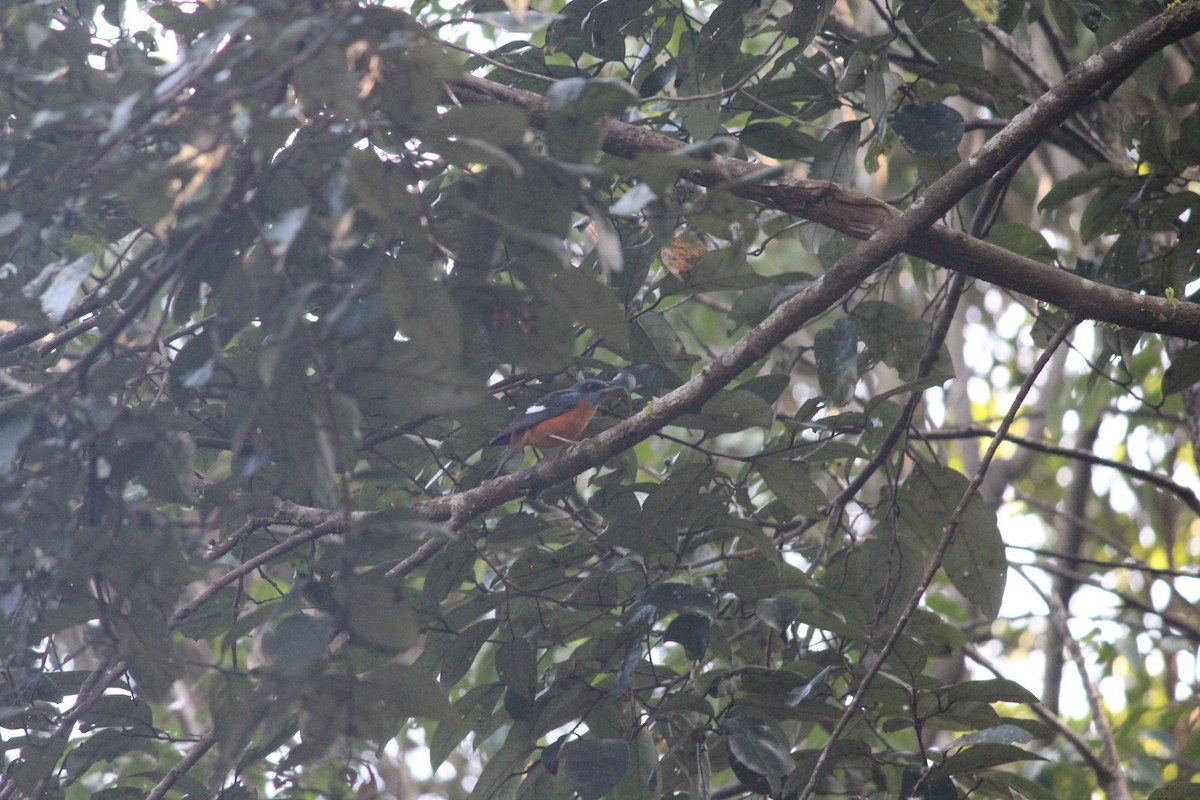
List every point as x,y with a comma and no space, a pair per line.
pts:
730,411
1074,185
424,311
501,125
379,188
404,691
588,300
756,746
58,284
654,341
929,789
778,612
1001,734
980,757
1010,781
680,597
1183,372
836,349
14,428
631,661
463,649
595,766
1022,240
996,690
932,129
1179,790
104,745
807,20
168,469
1104,212
126,793
144,641
768,387
975,561
801,693
573,130
130,714
790,482
881,573
778,141
691,631
896,339
298,643
516,664
504,763
602,27
839,151
376,611
700,78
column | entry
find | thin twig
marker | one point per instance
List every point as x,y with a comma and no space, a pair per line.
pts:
1110,775
939,554
181,767
1186,495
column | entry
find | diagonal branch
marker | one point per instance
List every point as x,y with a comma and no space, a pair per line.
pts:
864,217
887,232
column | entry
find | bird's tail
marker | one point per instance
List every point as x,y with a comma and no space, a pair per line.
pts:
514,445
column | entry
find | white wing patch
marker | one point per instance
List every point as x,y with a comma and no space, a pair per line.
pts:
535,409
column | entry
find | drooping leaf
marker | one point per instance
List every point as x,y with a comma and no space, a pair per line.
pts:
980,757
680,597
595,766
933,129
376,610
995,690
1183,372
577,105
298,642
895,338
1001,734
915,784
798,695
836,349
778,141
778,612
757,746
629,664
13,430
792,484
691,631
1074,185
1179,790
975,561
730,411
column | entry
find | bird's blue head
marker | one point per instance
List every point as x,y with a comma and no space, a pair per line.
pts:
595,390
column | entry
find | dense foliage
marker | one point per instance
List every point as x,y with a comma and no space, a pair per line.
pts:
273,274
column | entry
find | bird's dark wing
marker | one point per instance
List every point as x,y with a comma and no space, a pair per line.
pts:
552,405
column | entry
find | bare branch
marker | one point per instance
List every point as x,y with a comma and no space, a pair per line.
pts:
935,562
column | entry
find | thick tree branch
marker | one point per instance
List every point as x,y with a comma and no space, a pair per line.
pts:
863,217
887,232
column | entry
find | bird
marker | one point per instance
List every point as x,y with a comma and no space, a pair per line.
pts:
555,420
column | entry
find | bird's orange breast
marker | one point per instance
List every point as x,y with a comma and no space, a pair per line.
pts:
551,432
